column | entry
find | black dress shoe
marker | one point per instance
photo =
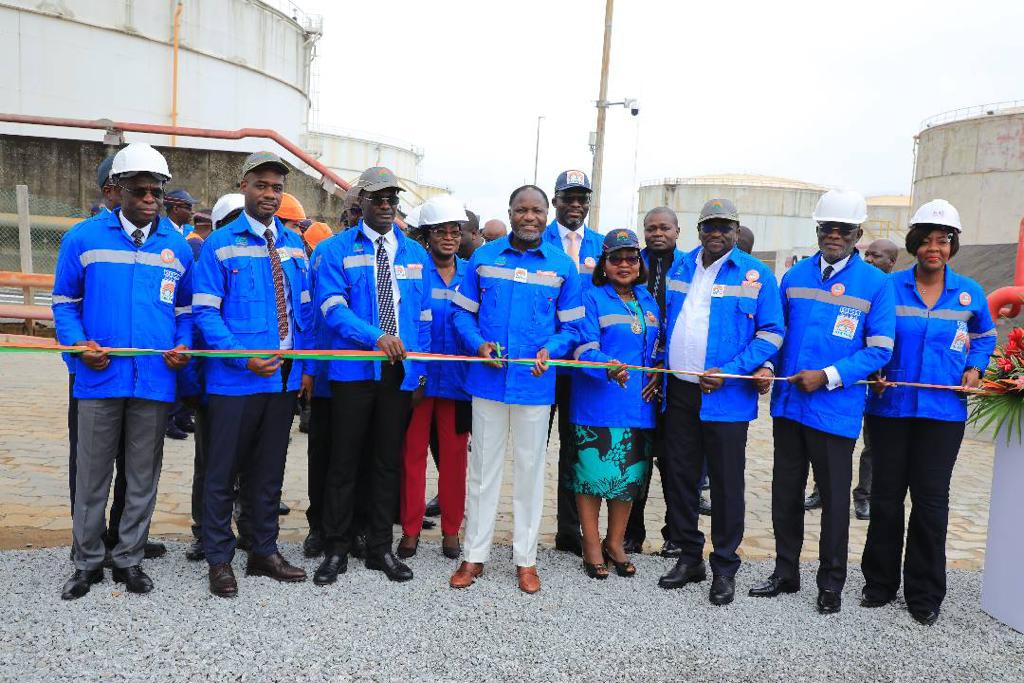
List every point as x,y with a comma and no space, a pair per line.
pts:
153,550
871,601
407,547
327,572
185,424
829,602
705,506
133,578
173,431
358,549
925,617
428,523
195,552
862,509
569,543
682,574
393,568
632,546
80,583
773,586
313,546
283,509
723,590
433,508
670,549
222,581
813,501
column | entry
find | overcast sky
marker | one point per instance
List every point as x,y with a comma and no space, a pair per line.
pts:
825,92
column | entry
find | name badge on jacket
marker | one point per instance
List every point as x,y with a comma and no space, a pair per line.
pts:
846,323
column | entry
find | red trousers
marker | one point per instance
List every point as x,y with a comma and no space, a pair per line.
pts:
451,485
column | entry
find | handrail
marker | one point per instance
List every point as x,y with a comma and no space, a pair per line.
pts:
974,111
329,179
10,278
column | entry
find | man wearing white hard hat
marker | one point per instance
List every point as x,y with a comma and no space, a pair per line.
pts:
122,280
944,336
840,322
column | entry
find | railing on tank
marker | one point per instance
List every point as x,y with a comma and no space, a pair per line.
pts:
972,112
733,180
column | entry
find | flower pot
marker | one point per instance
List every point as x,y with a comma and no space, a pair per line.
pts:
1002,594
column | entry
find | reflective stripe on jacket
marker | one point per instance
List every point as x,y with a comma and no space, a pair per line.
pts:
445,379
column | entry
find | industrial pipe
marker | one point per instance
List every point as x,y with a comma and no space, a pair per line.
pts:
1006,302
330,180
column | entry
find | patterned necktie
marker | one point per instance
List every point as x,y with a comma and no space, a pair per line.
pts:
139,237
278,275
385,297
827,273
574,246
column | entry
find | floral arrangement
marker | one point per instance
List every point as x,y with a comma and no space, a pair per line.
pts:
1000,404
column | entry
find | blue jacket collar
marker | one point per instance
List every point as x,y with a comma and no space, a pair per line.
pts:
400,237
733,256
854,257
241,225
551,233
112,219
952,278
460,265
544,247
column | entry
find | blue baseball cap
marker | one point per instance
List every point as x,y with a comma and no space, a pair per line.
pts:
179,197
103,171
620,239
568,180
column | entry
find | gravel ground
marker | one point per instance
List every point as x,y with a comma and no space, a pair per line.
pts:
575,629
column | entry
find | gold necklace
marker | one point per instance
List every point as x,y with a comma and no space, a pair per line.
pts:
635,325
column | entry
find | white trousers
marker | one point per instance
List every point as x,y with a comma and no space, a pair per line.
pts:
491,423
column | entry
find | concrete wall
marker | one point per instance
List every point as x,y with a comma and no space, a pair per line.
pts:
978,165
62,173
241,64
779,217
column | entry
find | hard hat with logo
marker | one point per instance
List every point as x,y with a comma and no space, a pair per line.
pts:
841,206
937,212
291,209
226,205
138,157
442,209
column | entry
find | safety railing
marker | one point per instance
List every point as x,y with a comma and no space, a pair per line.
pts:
971,112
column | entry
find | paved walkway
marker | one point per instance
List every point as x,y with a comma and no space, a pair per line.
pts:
34,497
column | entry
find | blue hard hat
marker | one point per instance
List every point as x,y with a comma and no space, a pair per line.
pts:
103,171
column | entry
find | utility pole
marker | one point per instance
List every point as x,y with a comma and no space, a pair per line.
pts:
536,150
602,97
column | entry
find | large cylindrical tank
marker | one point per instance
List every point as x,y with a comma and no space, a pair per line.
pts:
778,210
974,158
241,63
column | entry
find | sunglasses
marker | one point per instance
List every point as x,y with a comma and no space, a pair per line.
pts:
844,229
391,200
583,199
619,259
141,192
708,228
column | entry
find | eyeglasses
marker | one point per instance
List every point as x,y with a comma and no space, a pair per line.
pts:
141,192
381,200
844,229
446,232
619,259
709,227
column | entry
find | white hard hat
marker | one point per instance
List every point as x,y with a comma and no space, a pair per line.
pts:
937,212
442,209
412,217
841,206
226,205
138,157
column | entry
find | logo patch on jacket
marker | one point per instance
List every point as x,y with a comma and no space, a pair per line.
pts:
167,256
753,275
167,291
846,323
838,289
718,291
961,340
965,299
240,241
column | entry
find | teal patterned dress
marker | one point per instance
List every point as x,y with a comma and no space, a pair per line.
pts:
611,462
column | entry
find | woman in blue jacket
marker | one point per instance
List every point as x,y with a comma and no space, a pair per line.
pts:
613,409
944,335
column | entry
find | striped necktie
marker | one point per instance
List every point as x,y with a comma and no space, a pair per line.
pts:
385,297
278,274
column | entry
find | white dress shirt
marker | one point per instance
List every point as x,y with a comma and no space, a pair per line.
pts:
834,380
391,249
689,343
259,229
130,227
567,241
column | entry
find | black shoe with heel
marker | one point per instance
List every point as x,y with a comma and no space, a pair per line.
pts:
625,569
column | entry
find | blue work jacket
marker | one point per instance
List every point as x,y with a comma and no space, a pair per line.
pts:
346,294
236,309
522,301
606,334
591,247
445,379
935,346
645,254
745,328
109,291
320,369
848,322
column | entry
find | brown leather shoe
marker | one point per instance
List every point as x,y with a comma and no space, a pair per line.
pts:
466,574
276,567
222,581
529,582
